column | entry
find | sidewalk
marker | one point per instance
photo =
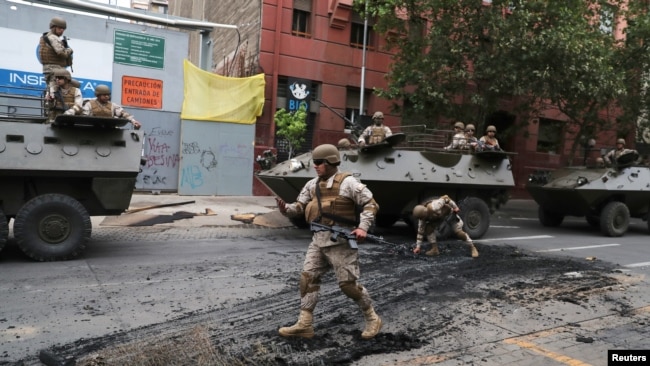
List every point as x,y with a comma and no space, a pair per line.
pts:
197,211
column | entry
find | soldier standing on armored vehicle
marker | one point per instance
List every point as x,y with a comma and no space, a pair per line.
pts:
54,53
331,199
430,216
489,141
458,140
376,132
67,98
101,106
611,157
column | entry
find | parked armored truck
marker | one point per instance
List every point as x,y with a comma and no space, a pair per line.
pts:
54,177
407,169
606,196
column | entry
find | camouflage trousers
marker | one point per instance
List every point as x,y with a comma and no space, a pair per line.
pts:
430,231
323,255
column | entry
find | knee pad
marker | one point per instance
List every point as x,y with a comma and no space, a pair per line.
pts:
351,289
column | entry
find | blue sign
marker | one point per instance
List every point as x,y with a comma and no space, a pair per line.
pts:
33,84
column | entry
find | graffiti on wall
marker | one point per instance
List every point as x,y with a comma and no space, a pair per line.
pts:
162,159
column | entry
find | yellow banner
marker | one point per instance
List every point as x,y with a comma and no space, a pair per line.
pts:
211,97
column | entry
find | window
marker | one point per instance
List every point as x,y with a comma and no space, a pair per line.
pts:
352,100
549,138
356,32
607,15
300,25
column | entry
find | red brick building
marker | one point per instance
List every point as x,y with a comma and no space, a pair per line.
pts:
318,45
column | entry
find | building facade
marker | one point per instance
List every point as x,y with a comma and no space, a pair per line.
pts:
318,47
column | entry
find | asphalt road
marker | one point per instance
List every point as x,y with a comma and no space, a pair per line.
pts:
136,276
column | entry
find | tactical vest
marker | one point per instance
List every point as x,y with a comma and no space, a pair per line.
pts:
47,54
377,134
331,203
101,110
68,99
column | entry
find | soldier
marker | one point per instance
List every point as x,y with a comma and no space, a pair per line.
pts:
430,215
67,98
331,198
470,140
458,140
376,132
101,106
489,141
54,53
610,157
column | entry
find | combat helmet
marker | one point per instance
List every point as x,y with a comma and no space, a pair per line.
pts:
328,152
58,22
470,126
102,89
460,125
491,128
63,73
76,83
420,212
621,141
378,115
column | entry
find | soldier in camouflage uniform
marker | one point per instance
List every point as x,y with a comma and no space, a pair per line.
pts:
376,132
430,215
612,157
331,199
101,106
67,98
458,141
54,53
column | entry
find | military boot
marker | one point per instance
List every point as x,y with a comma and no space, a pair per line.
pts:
433,251
474,251
373,324
302,328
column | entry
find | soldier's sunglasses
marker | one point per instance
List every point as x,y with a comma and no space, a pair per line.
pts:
319,161
469,130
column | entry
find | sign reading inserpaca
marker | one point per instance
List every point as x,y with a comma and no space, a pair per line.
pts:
138,49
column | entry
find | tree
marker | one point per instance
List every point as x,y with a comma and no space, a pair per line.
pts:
292,126
459,59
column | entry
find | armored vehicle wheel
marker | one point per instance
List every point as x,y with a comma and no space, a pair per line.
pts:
475,214
548,218
52,227
4,229
299,222
614,219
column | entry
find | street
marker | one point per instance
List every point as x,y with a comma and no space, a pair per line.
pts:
535,293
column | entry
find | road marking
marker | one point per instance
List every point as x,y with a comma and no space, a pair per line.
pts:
544,352
517,238
577,248
524,218
505,227
633,265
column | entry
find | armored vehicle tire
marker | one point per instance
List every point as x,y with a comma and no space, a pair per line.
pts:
52,227
614,219
548,218
475,214
4,229
299,222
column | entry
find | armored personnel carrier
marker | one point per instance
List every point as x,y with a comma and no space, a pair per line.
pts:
606,196
407,169
53,177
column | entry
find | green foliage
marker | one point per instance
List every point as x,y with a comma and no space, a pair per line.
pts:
292,126
460,59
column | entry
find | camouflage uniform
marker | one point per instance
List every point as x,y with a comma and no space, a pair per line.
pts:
375,134
436,212
323,253
94,107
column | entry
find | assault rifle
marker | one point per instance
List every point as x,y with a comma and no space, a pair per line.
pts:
339,231
446,227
